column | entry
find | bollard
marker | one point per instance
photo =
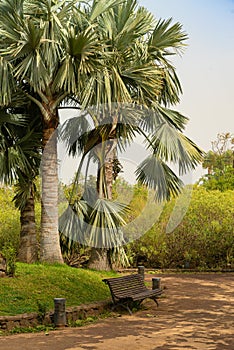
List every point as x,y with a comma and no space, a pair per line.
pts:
156,283
59,312
141,271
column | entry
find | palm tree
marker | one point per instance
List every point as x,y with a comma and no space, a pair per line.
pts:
47,50
132,95
19,164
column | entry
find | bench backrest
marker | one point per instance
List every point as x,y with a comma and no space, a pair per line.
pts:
125,286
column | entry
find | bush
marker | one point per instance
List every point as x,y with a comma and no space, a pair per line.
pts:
9,253
10,219
204,239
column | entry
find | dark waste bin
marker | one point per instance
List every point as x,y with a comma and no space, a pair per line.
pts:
141,271
60,319
156,283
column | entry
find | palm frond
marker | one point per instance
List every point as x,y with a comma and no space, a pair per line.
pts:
106,220
12,119
72,223
98,227
171,90
169,116
146,80
74,132
167,38
24,189
6,82
155,174
172,146
131,24
101,6
79,59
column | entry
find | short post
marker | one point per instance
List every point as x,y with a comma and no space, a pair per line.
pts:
59,312
141,271
156,283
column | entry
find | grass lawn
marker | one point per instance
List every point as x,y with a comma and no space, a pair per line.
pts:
39,284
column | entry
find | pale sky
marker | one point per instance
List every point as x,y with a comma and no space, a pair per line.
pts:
206,70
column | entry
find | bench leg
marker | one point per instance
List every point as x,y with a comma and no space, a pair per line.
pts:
123,305
156,301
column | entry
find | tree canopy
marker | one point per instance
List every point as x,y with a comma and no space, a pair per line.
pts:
219,163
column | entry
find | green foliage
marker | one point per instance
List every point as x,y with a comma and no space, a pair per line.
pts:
10,224
221,180
220,164
10,219
9,253
40,328
204,239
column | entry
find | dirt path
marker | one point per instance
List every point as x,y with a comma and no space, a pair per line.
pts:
197,312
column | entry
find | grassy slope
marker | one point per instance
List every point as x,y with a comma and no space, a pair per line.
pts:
42,283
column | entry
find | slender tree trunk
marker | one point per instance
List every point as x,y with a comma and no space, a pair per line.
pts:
100,257
28,250
50,244
109,163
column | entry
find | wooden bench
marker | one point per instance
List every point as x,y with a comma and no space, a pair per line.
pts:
130,289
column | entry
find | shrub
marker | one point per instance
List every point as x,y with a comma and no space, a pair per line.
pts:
9,253
204,239
10,223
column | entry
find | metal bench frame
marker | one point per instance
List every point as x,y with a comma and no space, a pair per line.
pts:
130,289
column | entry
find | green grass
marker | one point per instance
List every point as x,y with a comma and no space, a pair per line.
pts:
39,284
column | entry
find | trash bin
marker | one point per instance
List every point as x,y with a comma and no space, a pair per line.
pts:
156,283
141,271
60,319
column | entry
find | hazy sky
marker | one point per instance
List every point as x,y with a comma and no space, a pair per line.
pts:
206,69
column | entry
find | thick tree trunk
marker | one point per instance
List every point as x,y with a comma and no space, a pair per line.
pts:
50,245
99,260
28,250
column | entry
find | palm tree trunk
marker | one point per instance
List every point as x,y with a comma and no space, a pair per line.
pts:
100,257
99,260
50,244
28,250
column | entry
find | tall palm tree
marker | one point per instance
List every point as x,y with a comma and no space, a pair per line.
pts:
132,95
19,163
47,50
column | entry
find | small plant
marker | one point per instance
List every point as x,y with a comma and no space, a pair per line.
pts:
42,309
40,328
10,254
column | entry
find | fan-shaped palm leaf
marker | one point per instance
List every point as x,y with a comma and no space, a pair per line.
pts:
106,220
101,6
155,174
172,146
167,38
72,223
